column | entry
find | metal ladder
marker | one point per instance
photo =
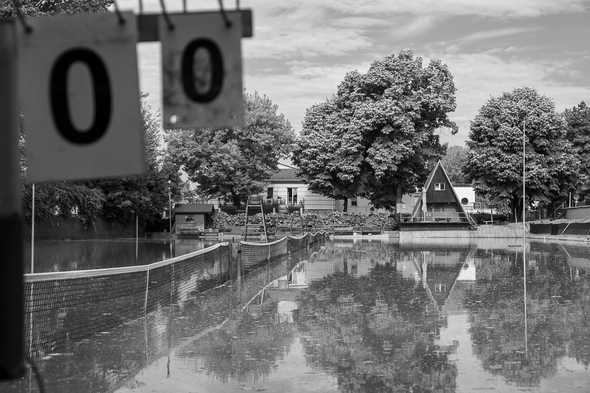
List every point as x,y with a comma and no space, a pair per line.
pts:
251,230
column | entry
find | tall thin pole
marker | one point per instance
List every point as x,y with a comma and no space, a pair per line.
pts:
136,236
169,211
524,177
524,267
33,228
11,221
170,219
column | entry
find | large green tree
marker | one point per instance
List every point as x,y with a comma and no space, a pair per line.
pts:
578,133
454,161
145,195
375,137
494,161
233,163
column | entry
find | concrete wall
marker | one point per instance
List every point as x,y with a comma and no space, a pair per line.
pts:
454,236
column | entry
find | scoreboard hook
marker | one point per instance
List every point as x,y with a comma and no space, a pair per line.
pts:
118,12
21,17
166,16
224,14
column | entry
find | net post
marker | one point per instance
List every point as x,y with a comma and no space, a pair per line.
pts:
11,221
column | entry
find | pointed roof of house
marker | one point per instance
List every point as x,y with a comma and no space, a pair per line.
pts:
427,185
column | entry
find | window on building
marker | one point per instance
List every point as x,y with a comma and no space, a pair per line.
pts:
353,202
269,192
292,195
439,186
464,201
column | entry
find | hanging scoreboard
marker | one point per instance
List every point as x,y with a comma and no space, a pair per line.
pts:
79,94
201,70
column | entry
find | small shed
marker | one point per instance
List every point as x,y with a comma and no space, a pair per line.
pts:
192,218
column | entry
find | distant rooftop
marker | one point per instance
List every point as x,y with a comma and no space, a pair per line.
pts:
286,175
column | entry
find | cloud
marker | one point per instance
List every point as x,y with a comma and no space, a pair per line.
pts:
481,76
301,50
305,84
417,25
495,8
489,34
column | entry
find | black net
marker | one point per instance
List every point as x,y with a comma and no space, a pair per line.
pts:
65,306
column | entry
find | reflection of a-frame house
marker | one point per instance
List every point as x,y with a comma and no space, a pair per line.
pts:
439,207
443,278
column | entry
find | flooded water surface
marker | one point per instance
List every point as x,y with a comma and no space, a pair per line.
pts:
64,255
353,317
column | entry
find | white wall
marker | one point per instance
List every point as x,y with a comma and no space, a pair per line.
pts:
311,200
468,193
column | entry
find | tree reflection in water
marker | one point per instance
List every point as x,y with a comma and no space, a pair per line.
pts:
246,349
558,322
375,333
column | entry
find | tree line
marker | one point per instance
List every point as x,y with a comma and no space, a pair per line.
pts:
375,137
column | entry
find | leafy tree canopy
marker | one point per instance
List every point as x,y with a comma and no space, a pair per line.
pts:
578,133
35,7
494,161
232,163
375,138
454,161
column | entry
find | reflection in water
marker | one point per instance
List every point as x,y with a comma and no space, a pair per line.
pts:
62,255
357,317
557,297
375,333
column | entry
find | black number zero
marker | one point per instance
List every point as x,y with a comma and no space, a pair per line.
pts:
188,73
58,92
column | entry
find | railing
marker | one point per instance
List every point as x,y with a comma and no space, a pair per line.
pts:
435,217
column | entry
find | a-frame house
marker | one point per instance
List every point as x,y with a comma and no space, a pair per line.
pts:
439,206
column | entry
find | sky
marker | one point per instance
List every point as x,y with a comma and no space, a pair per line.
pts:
301,49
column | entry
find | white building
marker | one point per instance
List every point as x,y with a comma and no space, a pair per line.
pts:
285,187
466,195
